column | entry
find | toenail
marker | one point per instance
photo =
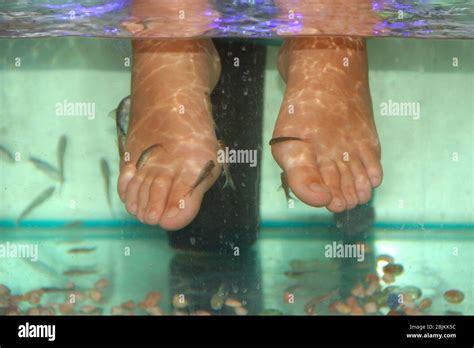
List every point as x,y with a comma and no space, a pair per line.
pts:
362,195
374,180
338,203
318,188
172,212
133,208
152,215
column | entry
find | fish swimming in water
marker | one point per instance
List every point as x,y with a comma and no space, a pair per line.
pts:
79,272
41,267
46,168
81,250
145,155
62,144
41,198
203,175
285,186
229,182
6,155
122,118
104,168
274,141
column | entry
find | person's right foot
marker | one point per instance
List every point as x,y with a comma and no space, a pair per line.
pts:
335,159
171,85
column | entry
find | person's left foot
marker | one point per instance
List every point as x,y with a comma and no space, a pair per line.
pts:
325,138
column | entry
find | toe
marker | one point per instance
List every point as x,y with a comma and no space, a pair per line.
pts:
131,196
158,197
126,174
332,178
143,195
307,184
372,165
347,185
362,183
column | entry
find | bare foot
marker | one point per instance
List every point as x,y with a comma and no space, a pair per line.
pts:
327,105
171,85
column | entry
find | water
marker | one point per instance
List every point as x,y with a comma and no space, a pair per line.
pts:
422,216
247,18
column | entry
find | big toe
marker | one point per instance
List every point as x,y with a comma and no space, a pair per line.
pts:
307,184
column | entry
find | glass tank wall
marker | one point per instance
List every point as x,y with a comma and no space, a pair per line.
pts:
69,246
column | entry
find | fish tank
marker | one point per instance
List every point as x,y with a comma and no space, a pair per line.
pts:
233,158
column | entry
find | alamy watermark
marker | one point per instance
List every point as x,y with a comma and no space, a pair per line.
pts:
69,108
339,250
227,155
400,109
22,251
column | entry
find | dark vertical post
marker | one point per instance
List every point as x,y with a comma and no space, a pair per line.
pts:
229,219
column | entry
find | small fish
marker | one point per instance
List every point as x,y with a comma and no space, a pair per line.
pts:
228,177
203,175
81,250
62,144
42,197
73,224
282,139
286,188
295,274
46,168
104,167
145,155
122,115
79,272
6,155
41,267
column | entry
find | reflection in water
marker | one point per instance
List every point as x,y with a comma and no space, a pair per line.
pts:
256,18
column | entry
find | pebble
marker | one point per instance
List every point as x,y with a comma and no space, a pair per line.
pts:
202,312
47,311
358,290
371,307
232,302
89,309
33,311
357,311
385,258
372,288
116,310
79,296
410,293
130,305
151,300
33,297
454,296
66,308
393,268
154,311
101,284
425,304
4,290
371,278
351,301
241,311
342,308
180,303
392,300
95,295
388,278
